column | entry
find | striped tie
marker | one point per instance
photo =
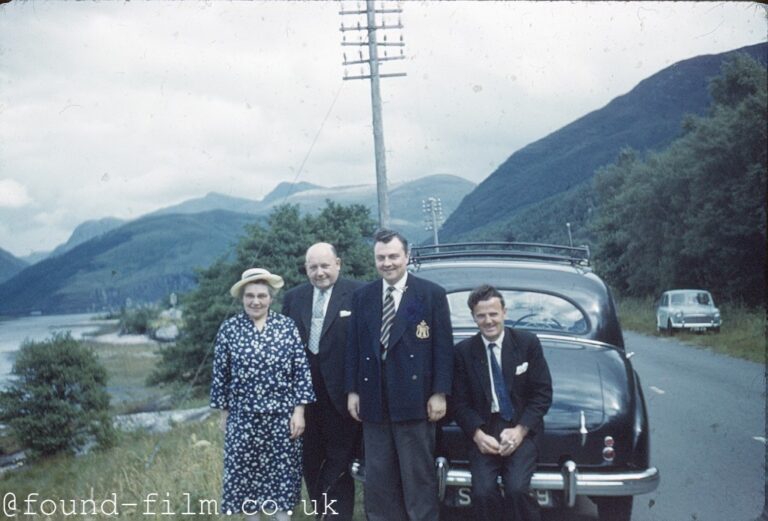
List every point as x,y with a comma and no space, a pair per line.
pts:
318,317
387,317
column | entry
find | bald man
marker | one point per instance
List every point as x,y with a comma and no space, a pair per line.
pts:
321,309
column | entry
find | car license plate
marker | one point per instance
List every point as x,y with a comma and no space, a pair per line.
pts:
462,497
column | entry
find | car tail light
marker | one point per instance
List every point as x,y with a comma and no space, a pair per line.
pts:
608,452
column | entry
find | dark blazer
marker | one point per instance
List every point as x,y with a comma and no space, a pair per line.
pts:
530,390
297,304
420,356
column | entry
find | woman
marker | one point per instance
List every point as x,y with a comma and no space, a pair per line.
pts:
261,380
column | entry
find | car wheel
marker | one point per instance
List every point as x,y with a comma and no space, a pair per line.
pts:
670,329
614,508
716,329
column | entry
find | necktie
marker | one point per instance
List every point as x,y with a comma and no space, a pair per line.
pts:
387,317
318,316
506,409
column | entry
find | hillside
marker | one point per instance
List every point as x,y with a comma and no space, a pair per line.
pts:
147,258
404,199
647,118
144,260
9,265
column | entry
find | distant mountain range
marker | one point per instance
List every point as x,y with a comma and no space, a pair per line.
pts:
108,261
511,202
10,265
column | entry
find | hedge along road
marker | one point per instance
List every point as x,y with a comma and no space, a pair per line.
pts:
707,417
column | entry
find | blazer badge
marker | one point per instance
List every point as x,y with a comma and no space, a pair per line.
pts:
422,330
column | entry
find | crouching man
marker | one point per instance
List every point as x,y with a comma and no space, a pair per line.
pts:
501,391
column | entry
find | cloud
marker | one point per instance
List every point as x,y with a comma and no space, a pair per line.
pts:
118,109
13,194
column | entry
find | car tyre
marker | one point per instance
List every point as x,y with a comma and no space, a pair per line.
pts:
670,329
614,508
716,329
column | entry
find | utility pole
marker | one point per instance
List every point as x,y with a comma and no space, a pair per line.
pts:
373,60
433,216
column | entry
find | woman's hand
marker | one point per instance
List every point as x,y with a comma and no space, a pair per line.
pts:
223,421
297,422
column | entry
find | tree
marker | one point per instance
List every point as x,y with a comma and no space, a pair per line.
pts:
693,215
58,401
279,247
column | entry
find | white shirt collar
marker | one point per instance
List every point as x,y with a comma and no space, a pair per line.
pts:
399,285
497,342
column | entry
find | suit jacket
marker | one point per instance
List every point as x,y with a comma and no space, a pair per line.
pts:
526,378
420,355
297,304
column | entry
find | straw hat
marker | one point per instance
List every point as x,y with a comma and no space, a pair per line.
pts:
256,275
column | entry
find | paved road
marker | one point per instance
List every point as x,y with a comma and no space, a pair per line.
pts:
705,412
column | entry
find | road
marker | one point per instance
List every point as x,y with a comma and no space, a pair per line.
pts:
707,417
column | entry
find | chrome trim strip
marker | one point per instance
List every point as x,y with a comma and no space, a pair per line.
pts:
575,340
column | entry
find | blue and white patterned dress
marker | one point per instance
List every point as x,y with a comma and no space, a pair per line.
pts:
259,377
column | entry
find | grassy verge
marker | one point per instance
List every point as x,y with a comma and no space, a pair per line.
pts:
742,334
183,468
147,475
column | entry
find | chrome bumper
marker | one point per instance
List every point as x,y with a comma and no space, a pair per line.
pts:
573,482
569,480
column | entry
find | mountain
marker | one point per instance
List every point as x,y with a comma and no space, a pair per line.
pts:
284,190
146,259
216,201
143,260
211,201
87,231
405,200
647,118
9,265
35,257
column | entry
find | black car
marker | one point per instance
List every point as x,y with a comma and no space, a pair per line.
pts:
596,438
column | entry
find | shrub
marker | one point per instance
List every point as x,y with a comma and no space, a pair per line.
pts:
137,321
58,400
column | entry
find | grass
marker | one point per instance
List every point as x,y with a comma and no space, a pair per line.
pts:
182,467
742,334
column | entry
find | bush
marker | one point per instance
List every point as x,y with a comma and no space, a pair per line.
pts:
57,401
137,321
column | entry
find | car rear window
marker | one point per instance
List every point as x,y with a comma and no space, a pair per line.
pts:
691,298
526,310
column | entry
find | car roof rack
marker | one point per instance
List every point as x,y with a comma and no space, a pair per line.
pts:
576,255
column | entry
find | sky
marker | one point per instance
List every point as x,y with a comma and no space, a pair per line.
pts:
111,109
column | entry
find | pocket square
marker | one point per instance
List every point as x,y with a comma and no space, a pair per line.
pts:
520,369
344,313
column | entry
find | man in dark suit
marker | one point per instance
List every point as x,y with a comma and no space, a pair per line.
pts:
502,390
321,310
399,366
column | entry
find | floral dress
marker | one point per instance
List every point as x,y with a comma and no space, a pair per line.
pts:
259,377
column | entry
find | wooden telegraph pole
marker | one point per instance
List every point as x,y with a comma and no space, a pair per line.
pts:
367,38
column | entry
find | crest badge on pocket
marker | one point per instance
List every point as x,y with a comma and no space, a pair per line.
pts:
422,330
